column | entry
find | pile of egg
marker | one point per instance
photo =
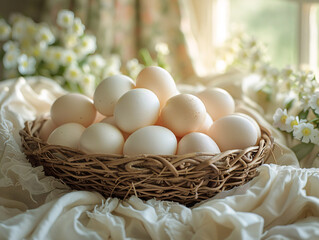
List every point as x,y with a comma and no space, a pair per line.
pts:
148,117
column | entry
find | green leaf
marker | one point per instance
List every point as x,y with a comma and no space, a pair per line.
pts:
289,104
302,149
303,114
146,57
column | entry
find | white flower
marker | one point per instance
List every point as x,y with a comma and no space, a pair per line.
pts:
114,61
77,27
69,57
31,27
10,46
5,30
73,73
96,62
18,30
133,67
37,50
162,48
54,54
65,18
314,102
10,59
88,84
70,40
304,132
87,44
45,35
280,118
292,121
110,71
26,64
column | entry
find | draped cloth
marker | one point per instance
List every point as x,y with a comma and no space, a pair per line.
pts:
281,202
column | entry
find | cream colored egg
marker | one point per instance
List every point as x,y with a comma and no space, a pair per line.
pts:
136,109
218,102
101,138
183,113
108,92
233,132
73,108
151,140
197,142
111,120
253,121
67,135
206,124
159,81
46,129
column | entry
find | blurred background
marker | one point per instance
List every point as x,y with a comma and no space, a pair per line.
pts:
195,32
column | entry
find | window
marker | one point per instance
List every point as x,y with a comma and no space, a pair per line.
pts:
288,27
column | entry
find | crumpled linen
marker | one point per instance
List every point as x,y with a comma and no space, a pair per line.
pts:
282,202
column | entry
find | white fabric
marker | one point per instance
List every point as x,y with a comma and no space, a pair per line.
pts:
281,203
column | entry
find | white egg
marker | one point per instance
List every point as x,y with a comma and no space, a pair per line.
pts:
159,81
136,109
253,121
206,124
233,132
67,135
108,92
183,113
73,108
197,142
151,140
101,138
218,102
46,129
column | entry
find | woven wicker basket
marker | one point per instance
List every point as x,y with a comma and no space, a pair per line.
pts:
186,179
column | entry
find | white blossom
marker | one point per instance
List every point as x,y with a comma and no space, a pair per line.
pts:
96,62
5,30
68,57
18,30
45,35
10,59
304,132
162,48
73,73
10,46
314,102
26,64
77,27
280,118
292,121
134,67
88,84
87,44
70,40
65,18
114,61
54,54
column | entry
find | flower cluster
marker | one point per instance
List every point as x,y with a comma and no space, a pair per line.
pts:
299,88
63,52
